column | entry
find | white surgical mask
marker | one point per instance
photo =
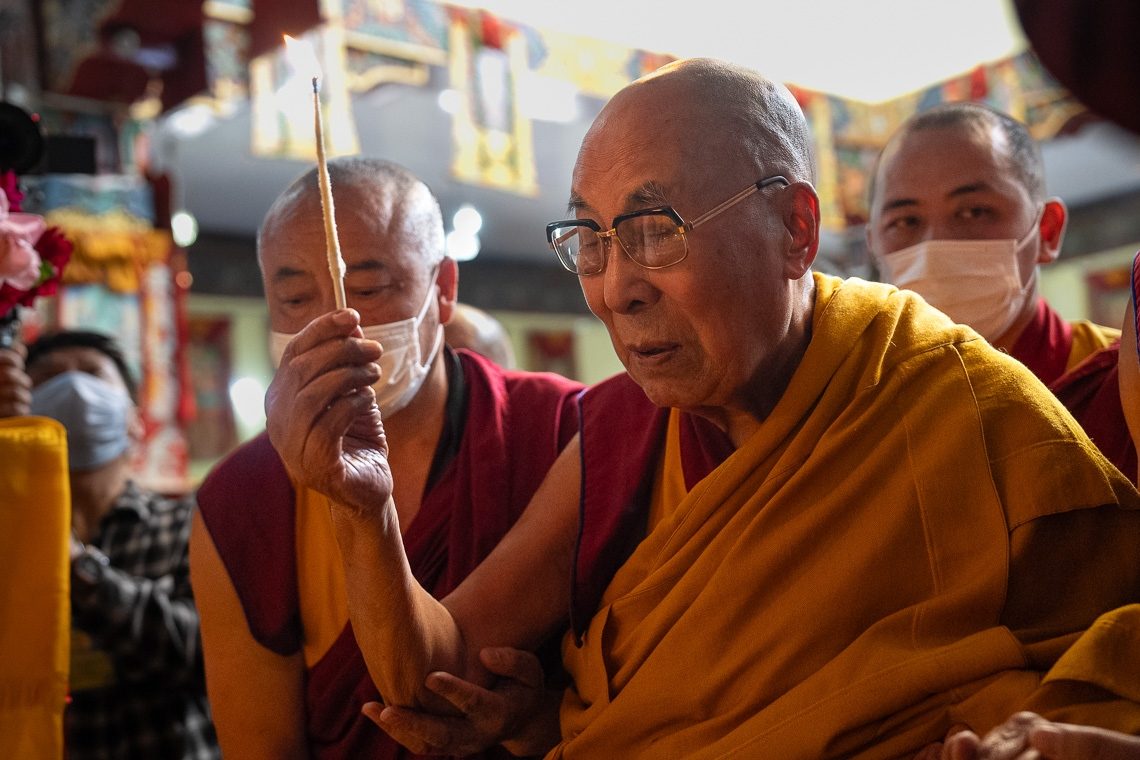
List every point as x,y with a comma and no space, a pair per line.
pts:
975,282
403,367
94,412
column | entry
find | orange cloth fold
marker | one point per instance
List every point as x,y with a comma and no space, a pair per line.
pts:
858,576
35,525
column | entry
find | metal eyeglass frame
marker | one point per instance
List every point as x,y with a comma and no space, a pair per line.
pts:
682,226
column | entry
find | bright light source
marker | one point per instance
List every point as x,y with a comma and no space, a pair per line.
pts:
467,220
183,228
547,99
461,246
248,397
190,121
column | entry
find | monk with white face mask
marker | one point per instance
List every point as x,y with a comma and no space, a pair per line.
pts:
469,441
960,216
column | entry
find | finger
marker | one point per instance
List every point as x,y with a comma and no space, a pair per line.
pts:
322,357
336,324
468,698
963,745
1061,741
428,734
517,664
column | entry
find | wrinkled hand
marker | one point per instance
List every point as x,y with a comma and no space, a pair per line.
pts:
1028,736
321,413
487,717
15,385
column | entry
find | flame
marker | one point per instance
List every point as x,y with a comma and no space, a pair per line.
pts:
301,57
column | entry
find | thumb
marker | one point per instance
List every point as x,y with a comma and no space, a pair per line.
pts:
1061,741
517,664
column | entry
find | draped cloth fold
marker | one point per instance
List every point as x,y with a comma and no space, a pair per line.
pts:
851,581
35,520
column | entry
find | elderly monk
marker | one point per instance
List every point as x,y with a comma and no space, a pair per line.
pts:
469,440
959,215
897,542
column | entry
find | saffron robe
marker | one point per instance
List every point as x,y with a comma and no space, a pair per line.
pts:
35,627
912,539
1078,362
278,545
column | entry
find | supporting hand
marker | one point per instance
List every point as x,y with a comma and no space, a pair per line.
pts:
517,713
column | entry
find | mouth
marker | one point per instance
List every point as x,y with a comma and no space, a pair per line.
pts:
652,352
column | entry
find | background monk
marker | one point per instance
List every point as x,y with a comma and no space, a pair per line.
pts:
469,440
959,215
897,543
476,330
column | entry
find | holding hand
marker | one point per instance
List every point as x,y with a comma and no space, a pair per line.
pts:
1028,736
321,413
518,713
15,385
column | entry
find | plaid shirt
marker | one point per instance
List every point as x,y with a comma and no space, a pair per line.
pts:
137,688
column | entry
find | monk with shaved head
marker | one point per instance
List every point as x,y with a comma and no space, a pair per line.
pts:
814,518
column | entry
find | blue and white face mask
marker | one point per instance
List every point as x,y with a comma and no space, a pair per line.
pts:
94,412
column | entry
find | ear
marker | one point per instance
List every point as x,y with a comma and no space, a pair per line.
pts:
1052,229
448,281
136,430
801,221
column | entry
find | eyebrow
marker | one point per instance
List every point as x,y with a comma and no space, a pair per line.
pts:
367,265
288,273
973,187
651,193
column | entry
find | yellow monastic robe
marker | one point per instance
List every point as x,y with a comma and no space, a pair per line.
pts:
1088,338
915,535
35,523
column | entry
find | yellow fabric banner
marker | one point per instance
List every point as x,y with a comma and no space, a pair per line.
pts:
35,523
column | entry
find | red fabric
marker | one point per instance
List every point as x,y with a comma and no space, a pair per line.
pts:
1092,393
516,425
621,437
1044,344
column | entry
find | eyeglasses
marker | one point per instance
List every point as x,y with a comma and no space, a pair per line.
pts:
655,238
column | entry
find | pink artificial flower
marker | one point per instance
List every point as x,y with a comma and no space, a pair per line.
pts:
19,262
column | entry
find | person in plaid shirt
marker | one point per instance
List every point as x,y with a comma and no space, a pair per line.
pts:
137,685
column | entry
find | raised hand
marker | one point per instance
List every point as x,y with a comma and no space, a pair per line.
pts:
321,413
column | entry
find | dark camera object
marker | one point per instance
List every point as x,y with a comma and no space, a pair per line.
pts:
21,142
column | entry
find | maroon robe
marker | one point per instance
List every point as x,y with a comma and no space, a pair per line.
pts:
515,425
1090,391
620,424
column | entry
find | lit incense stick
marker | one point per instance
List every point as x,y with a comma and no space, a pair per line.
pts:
303,59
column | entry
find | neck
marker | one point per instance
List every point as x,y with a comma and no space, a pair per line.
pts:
93,494
750,407
1007,340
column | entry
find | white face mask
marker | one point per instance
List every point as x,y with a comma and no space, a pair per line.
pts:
402,367
975,282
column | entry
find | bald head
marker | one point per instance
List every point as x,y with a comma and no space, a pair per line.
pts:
476,330
391,239
722,113
380,192
1011,140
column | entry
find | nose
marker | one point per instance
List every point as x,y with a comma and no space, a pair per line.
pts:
625,287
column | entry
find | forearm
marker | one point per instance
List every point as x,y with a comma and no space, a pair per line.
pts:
403,632
148,626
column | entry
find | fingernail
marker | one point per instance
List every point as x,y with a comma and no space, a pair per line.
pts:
346,317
